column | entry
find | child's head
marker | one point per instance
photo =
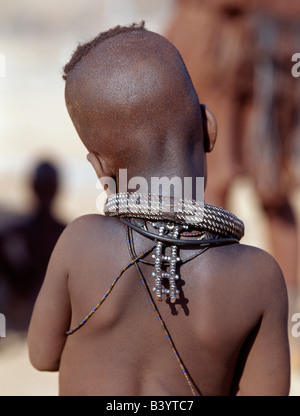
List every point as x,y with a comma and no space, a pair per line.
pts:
134,106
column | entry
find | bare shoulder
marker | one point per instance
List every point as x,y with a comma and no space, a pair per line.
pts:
246,272
90,237
258,262
248,260
87,226
266,274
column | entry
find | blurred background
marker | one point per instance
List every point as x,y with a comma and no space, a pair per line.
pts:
239,57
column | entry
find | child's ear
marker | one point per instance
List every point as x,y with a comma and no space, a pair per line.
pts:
98,164
210,128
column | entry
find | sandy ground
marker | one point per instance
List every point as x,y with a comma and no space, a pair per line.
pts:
18,377
36,40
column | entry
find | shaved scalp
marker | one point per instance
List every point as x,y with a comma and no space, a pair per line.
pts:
83,49
131,99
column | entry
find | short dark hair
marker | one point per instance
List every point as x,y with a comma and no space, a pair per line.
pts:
83,49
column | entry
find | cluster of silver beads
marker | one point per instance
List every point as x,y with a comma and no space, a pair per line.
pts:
159,274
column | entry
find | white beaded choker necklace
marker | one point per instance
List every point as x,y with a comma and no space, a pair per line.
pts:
184,212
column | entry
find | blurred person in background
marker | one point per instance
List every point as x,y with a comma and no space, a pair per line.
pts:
239,56
26,246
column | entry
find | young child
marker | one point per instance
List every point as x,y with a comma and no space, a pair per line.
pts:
217,321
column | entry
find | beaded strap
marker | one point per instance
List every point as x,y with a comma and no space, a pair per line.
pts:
133,261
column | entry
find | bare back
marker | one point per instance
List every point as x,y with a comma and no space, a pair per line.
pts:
229,325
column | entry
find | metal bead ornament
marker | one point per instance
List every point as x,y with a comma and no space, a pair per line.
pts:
160,261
